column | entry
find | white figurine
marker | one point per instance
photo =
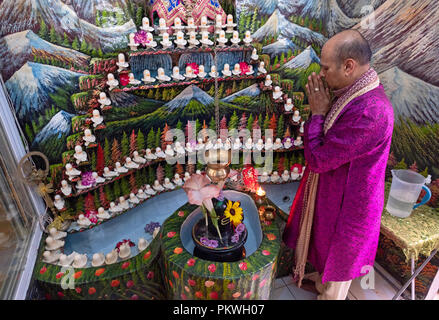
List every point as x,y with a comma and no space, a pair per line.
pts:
189,148
235,38
295,175
205,41
161,76
275,177
200,145
201,73
157,186
80,186
177,24
219,24
255,55
248,38
119,168
285,176
237,144
230,25
133,199
66,189
142,244
155,232
145,25
268,144
114,208
190,73
104,100
121,63
177,180
289,105
162,26
56,234
168,184
149,155
130,164
227,144
277,94
111,81
259,145
123,204
191,27
261,68
79,261
80,155
203,24
176,74
111,257
287,143
179,149
264,177
97,178
102,214
302,128
96,118
65,260
53,244
219,144
142,195
222,40
226,71
237,70
132,44
133,80
71,172
250,70
83,221
277,144
180,41
213,73
124,251
193,42
298,142
151,43
159,153
88,137
51,257
137,158
296,117
149,190
187,176
166,44
249,144
59,202
268,82
169,151
109,174
98,260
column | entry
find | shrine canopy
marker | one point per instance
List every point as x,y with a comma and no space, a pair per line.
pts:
172,9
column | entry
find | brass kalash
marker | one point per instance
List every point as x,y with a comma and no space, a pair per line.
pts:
218,162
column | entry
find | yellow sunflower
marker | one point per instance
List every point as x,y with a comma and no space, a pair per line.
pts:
234,212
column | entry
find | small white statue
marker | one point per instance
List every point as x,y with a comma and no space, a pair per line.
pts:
97,178
189,148
219,144
298,142
96,118
162,76
275,177
230,25
145,25
149,155
123,203
187,176
79,261
80,186
130,164
277,94
142,244
169,151
264,177
157,186
147,77
168,184
277,144
162,26
142,195
201,73
149,190
235,38
98,260
302,128
180,41
250,70
237,144
159,153
255,55
176,74
237,70
287,143
121,63
248,38
133,199
203,24
296,117
65,260
191,27
132,44
103,214
295,175
66,189
111,257
268,82
177,24
179,149
190,73
111,81
119,168
114,208
133,80
285,176
80,155
226,71
83,221
219,24
109,174
249,144
137,158
227,144
124,251
268,144
104,100
261,68
155,232
205,41
259,145
53,244
177,180
56,234
151,43
72,172
289,105
59,202
222,40
166,44
213,73
51,257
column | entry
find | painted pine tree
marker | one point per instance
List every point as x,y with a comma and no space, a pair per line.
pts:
115,152
100,161
133,142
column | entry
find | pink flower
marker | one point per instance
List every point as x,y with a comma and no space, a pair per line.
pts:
199,191
150,275
191,262
134,297
183,296
194,67
243,266
130,283
248,295
124,79
126,265
181,213
141,37
171,234
244,68
211,267
209,283
214,295
231,286
266,252
262,283
191,282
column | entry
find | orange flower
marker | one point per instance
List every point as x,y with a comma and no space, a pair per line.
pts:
178,250
171,234
147,255
59,275
199,294
237,294
43,269
175,274
78,274
99,272
126,265
271,236
209,283
91,291
78,289
170,283
115,283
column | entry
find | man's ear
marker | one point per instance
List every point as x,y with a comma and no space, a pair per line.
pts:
349,67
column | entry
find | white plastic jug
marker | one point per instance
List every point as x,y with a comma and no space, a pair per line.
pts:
404,192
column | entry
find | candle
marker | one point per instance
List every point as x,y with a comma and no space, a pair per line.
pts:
260,192
260,196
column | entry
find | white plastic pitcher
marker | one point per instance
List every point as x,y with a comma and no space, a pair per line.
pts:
404,192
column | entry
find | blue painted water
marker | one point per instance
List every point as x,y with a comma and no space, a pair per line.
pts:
251,221
278,193
130,225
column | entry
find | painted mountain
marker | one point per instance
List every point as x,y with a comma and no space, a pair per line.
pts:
22,46
191,93
19,15
303,60
51,140
279,25
358,8
34,87
406,36
411,97
251,91
87,9
282,45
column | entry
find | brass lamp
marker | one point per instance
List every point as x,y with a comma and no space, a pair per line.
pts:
218,162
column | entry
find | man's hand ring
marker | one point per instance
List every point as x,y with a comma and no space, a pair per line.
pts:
316,89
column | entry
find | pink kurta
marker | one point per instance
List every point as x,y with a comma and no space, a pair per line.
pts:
351,160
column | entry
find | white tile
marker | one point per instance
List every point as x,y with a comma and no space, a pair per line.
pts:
300,294
381,291
282,294
278,283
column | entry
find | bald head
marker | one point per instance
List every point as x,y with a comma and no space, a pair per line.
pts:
350,44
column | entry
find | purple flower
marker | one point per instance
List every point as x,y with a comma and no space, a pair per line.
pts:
141,37
205,241
285,139
235,238
213,244
240,228
149,228
87,179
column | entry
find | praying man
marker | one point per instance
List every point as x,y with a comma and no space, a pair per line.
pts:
334,222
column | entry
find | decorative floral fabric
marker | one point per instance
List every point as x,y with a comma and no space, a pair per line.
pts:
351,160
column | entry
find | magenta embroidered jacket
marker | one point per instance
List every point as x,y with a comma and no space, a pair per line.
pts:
351,160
